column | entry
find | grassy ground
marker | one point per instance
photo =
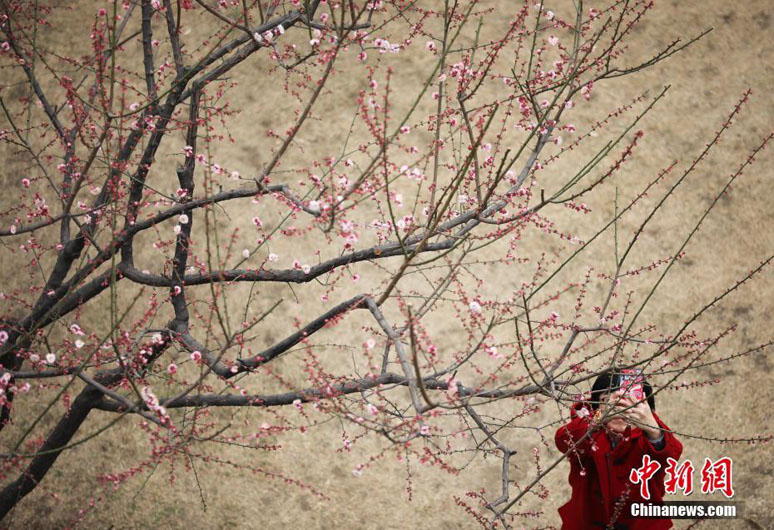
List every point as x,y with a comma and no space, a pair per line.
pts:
706,81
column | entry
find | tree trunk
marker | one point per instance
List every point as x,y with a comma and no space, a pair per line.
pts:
50,451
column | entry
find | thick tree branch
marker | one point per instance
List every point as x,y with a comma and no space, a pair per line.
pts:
316,394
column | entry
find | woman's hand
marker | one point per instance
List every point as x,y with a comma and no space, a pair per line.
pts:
609,412
639,415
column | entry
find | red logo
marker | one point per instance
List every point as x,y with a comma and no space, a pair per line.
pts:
643,474
717,476
678,477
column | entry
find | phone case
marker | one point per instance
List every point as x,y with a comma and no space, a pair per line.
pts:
631,383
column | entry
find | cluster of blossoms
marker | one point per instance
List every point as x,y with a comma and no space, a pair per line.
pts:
414,173
6,388
349,233
384,46
267,36
152,402
50,358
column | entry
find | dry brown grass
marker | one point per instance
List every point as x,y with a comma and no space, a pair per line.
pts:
706,81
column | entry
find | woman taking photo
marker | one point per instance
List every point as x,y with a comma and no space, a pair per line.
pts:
605,440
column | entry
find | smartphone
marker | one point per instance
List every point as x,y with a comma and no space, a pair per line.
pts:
630,382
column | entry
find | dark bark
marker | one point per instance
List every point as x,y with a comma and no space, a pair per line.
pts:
50,451
316,394
65,430
290,341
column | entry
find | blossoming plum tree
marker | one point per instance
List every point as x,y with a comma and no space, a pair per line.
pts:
429,226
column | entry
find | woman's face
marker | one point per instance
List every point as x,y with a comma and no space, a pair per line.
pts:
614,423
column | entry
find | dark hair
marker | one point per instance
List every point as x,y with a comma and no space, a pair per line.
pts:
609,381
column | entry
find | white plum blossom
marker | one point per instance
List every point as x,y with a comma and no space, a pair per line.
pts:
475,307
183,219
153,402
385,46
415,174
50,358
452,391
246,253
493,353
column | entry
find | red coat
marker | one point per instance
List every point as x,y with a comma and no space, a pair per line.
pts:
600,477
